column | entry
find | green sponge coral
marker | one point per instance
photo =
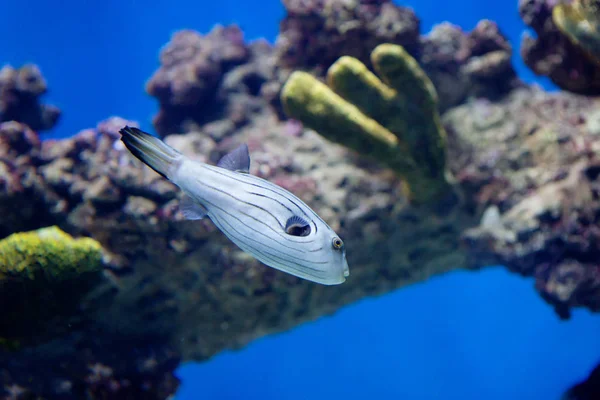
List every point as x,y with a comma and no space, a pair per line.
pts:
49,253
580,22
394,121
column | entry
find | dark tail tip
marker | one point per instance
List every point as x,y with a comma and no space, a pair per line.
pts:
131,131
149,149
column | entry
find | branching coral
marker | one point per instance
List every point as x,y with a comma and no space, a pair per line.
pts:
394,121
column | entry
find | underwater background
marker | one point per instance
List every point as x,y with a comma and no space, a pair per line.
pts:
460,335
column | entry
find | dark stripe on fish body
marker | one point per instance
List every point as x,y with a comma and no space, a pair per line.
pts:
275,200
242,178
281,234
221,226
283,193
247,226
280,191
254,248
244,202
269,256
282,205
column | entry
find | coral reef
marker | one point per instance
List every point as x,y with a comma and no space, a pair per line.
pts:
203,78
535,171
20,90
555,54
181,287
463,65
523,161
180,290
397,124
314,33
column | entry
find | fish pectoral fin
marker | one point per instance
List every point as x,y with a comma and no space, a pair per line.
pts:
236,160
191,209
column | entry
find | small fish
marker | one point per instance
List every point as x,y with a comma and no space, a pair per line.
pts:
263,219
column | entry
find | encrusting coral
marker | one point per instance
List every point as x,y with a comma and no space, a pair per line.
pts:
48,253
43,273
395,121
580,22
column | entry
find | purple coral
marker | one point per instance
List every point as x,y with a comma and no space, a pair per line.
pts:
551,54
192,66
203,78
460,64
20,90
316,33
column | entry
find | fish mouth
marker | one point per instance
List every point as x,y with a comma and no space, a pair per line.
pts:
346,269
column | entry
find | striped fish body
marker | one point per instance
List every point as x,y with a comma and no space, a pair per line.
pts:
263,219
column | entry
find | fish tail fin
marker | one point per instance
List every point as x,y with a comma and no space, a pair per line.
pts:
152,151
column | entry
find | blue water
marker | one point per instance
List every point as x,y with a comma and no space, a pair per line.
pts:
459,336
98,55
466,335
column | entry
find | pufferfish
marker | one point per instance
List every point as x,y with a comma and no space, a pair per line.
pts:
263,219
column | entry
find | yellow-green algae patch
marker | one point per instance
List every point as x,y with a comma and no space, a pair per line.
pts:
49,253
393,117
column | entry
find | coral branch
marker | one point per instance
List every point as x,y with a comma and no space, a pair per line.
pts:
395,122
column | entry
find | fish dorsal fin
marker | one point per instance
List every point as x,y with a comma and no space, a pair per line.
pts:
236,160
191,209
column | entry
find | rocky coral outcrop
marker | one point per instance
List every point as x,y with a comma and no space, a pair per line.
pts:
538,156
315,33
465,65
551,53
202,78
20,92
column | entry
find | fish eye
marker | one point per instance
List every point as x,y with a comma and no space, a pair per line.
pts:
297,226
337,243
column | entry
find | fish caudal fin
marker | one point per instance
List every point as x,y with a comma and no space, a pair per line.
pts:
152,151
